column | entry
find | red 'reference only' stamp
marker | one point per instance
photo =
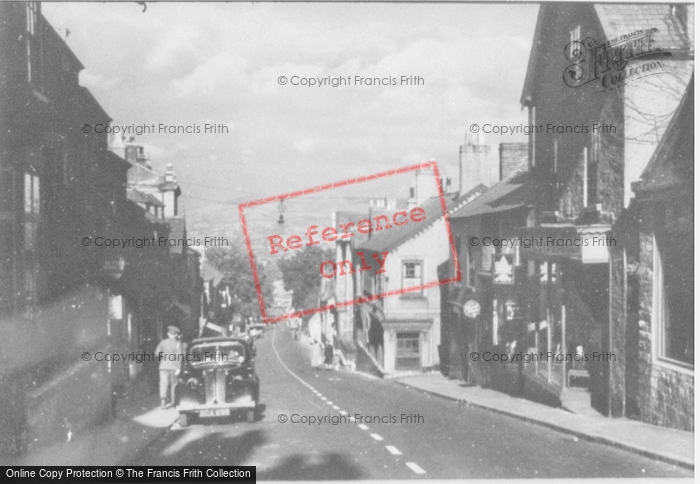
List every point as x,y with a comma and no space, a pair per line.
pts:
387,225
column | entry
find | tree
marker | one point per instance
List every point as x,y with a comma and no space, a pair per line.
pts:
233,263
301,274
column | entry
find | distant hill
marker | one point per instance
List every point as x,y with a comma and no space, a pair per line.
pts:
222,220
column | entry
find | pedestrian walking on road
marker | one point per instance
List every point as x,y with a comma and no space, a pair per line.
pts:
171,353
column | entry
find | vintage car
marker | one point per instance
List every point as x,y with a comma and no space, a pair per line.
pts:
218,380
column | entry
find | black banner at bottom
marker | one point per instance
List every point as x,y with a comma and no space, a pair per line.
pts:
237,474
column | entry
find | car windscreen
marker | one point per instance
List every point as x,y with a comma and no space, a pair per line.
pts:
224,353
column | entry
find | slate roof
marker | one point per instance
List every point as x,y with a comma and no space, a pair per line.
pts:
389,239
671,165
514,192
143,175
621,19
140,197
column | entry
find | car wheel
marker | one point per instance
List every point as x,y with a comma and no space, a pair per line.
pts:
183,420
250,415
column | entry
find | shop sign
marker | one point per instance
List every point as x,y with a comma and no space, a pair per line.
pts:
595,248
512,310
503,269
472,309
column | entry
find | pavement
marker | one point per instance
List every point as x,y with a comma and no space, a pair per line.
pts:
139,421
661,443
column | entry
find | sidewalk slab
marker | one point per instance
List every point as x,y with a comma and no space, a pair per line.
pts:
139,421
660,443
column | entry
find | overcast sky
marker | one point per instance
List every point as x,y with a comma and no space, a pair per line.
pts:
188,64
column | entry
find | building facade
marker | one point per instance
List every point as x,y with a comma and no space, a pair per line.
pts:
63,193
597,125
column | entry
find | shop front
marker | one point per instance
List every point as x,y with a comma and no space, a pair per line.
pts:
407,344
566,338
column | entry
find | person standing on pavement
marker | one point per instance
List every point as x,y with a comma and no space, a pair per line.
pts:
316,354
171,354
328,353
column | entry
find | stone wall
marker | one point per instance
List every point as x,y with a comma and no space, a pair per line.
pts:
666,396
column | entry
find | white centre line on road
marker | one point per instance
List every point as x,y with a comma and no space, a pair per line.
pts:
324,399
329,402
336,407
363,426
343,412
415,467
393,450
376,437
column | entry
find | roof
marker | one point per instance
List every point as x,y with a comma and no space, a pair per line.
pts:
621,19
114,160
220,339
515,191
140,174
671,165
389,239
615,20
140,197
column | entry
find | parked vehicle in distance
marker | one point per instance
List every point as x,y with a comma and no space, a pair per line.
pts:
218,380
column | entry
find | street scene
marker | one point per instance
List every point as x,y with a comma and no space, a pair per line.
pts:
409,434
301,242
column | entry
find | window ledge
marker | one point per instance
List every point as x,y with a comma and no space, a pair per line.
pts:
674,365
413,296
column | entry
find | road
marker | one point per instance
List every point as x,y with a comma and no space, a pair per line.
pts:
440,439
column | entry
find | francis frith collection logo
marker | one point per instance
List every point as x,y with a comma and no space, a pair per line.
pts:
607,62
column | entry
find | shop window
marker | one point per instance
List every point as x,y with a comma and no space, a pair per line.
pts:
673,301
407,350
412,274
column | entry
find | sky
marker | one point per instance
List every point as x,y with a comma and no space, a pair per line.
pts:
191,64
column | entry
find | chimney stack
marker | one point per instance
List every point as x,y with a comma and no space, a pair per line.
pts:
475,163
511,156
424,187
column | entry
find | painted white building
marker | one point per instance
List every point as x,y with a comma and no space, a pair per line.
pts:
401,330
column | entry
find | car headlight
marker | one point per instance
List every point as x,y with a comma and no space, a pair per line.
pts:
192,383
